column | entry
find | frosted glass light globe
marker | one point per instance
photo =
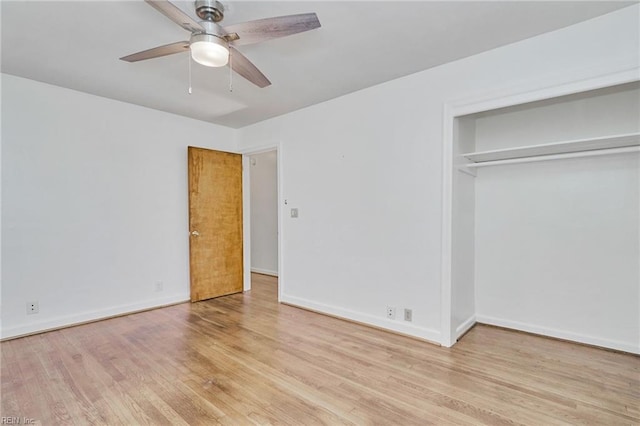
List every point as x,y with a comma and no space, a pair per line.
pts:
209,50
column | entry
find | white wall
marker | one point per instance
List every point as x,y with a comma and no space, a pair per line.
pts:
365,171
264,213
603,112
94,204
557,249
463,300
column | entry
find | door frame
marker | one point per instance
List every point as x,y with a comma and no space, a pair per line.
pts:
246,211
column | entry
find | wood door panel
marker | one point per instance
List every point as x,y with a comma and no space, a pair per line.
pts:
215,213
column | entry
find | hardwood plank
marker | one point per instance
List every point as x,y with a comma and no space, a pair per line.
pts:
245,359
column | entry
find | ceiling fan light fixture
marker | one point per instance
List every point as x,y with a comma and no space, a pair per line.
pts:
209,50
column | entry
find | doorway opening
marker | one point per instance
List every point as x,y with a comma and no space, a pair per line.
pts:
262,219
264,213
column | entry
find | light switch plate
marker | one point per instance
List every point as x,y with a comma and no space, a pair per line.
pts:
294,213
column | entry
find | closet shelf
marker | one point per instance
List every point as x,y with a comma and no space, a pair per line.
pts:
565,147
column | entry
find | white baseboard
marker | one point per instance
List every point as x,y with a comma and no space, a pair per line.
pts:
560,334
85,317
465,326
397,326
264,271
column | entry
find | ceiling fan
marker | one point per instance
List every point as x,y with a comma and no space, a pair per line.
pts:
211,44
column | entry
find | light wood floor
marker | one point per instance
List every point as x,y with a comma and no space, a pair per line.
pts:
244,359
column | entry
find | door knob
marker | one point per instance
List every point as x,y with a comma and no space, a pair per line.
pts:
195,233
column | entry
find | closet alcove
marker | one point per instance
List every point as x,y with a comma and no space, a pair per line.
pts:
545,220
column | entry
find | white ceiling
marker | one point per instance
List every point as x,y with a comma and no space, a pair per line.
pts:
77,44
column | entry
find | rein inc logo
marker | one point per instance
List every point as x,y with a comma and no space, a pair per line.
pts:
7,420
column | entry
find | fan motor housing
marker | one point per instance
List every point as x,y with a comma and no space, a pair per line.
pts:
210,10
212,28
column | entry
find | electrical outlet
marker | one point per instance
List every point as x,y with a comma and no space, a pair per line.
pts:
159,286
408,315
32,308
391,312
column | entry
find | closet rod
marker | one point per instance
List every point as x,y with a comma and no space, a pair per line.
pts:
593,153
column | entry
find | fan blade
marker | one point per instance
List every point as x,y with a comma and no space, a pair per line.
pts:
270,28
156,52
244,67
176,15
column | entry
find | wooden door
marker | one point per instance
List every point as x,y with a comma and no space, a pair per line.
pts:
215,223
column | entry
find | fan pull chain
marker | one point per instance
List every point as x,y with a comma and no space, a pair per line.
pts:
230,71
190,91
